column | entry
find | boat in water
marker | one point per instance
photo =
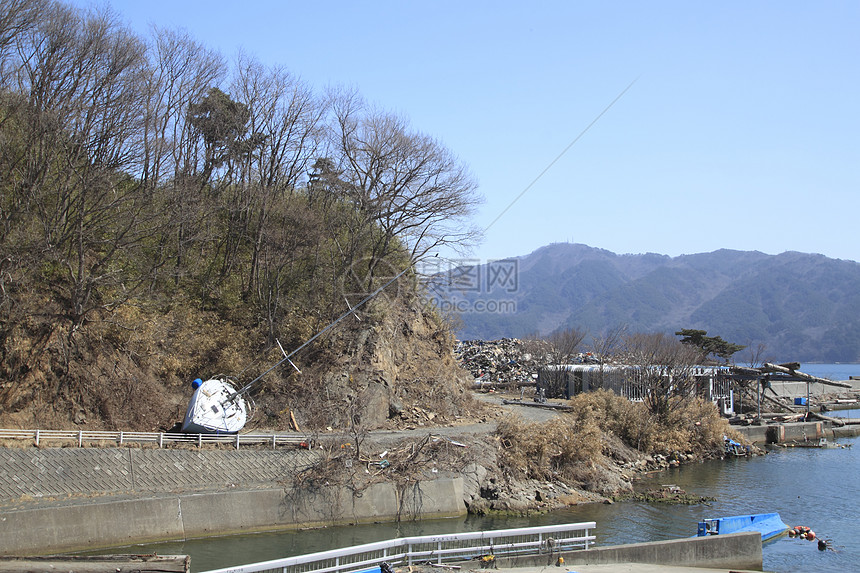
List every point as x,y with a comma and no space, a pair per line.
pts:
769,525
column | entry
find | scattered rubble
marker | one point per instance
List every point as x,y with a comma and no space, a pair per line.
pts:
508,362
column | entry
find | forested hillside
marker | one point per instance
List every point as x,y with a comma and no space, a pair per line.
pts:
165,216
798,306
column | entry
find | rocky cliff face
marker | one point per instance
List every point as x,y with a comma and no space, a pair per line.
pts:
392,366
399,372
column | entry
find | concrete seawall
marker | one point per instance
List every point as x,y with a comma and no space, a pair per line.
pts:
108,523
63,499
732,551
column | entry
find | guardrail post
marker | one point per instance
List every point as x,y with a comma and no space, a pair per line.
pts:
160,440
274,440
237,440
199,440
120,438
80,438
586,538
37,438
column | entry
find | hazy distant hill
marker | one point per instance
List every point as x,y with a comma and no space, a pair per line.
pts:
803,307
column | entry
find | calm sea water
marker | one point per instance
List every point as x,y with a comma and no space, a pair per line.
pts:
819,488
831,371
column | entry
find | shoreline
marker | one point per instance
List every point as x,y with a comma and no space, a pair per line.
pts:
131,498
40,526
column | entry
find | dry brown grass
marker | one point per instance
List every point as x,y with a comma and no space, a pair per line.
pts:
692,426
557,448
578,446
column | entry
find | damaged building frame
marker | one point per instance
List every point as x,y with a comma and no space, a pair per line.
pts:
713,383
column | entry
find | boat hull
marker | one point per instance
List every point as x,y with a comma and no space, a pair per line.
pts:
215,408
768,524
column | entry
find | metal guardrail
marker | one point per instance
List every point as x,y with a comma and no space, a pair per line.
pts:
79,438
434,549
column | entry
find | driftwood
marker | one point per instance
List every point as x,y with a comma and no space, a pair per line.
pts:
807,377
834,421
98,564
777,402
751,372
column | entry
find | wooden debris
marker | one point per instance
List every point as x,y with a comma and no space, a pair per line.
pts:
807,377
98,563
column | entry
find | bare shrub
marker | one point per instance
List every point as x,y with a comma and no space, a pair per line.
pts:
691,426
559,448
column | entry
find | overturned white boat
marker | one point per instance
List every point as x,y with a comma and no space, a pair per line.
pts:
215,408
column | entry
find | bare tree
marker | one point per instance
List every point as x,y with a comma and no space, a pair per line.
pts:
566,343
16,17
181,72
665,369
756,355
604,346
286,124
412,189
83,78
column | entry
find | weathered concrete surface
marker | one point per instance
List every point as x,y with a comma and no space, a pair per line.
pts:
41,473
107,523
795,432
630,568
62,499
49,530
98,563
733,551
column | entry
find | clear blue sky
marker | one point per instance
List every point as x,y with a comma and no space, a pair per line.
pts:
742,129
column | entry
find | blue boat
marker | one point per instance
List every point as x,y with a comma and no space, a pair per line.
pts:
768,524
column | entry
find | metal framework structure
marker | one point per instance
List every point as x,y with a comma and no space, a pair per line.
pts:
433,549
566,380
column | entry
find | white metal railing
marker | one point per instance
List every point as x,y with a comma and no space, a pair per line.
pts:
433,549
80,437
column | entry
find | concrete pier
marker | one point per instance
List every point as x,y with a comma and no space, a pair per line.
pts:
733,551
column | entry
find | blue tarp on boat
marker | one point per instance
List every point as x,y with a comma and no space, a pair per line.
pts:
768,524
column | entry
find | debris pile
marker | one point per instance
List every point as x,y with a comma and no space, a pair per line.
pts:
505,362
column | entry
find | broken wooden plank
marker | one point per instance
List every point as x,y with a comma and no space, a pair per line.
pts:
834,421
98,564
803,376
777,402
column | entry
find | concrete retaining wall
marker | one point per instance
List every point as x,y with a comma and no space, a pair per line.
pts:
732,551
69,527
788,432
796,432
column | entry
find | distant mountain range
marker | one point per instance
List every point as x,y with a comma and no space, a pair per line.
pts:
803,307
